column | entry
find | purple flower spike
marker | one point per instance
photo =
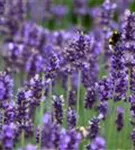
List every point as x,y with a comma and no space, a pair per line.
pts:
90,98
93,129
77,52
24,121
71,118
6,89
105,89
58,102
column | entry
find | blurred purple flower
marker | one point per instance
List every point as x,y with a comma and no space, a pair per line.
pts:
8,136
59,11
70,139
81,7
98,143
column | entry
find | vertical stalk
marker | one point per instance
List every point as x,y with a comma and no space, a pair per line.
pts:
50,97
1,120
79,21
68,89
112,116
41,110
22,138
67,98
78,94
126,104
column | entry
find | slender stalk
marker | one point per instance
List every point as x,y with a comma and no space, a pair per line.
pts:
68,89
126,108
67,98
1,120
50,97
41,110
112,124
2,116
23,138
79,21
78,94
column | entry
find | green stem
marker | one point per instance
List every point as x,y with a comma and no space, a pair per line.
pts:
68,89
126,108
23,138
50,97
67,99
78,94
41,109
111,125
79,21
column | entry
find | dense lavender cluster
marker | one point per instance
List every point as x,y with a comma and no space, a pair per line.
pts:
67,75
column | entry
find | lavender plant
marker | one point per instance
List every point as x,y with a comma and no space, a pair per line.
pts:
63,84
